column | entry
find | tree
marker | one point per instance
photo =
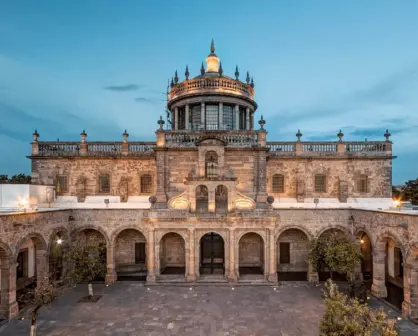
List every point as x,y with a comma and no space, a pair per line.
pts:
410,192
20,179
335,252
86,261
348,317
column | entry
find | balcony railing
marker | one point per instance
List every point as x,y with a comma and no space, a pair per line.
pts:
205,85
311,149
231,138
100,149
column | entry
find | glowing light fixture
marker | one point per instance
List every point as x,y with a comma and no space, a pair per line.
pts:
59,241
362,241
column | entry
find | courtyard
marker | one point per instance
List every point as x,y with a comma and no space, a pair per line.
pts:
291,309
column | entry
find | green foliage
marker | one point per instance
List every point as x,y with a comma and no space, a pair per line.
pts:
15,179
347,317
87,260
335,252
410,192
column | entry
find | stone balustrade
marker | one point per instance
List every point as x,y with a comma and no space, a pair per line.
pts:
211,85
92,149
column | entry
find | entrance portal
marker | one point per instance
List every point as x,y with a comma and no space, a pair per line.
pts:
212,254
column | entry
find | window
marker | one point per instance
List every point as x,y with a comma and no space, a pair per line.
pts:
320,183
228,116
278,183
104,184
284,253
362,184
182,118
61,184
196,119
22,264
211,164
242,112
139,253
146,184
212,117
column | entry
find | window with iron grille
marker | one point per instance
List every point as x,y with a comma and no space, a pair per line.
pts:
242,112
182,118
212,117
228,116
146,184
104,184
62,184
320,183
284,253
196,119
211,164
362,184
278,183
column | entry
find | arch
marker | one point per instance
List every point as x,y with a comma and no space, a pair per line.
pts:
57,266
368,233
5,251
366,249
202,199
293,247
332,228
172,254
37,239
251,254
96,228
381,240
296,227
221,199
212,254
117,231
411,257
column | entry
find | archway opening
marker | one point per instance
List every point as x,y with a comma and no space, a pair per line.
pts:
251,254
131,256
57,247
4,283
367,261
202,199
31,267
212,254
92,236
324,275
292,255
221,199
172,255
394,272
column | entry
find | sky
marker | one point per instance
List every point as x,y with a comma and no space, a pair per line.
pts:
101,65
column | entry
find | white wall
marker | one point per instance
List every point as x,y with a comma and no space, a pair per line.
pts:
12,194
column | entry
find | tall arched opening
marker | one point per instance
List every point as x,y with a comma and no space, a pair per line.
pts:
367,261
202,199
251,255
172,254
292,255
221,199
212,254
130,255
58,244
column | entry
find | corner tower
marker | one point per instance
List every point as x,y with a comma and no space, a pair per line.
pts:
212,101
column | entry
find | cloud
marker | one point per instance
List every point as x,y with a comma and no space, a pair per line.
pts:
123,88
145,100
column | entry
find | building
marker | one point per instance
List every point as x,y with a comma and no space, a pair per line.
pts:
212,200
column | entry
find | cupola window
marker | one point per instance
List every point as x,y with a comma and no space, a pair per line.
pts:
228,116
212,117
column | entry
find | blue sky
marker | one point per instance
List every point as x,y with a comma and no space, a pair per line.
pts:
103,66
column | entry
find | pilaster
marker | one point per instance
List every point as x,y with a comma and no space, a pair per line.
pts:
111,275
8,305
42,267
236,119
187,116
151,256
221,116
232,276
272,277
191,276
379,286
247,119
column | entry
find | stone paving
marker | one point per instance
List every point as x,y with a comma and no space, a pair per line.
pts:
293,309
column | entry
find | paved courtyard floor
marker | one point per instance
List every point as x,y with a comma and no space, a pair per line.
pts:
293,309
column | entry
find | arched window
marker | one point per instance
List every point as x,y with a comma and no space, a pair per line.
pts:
362,184
104,184
146,184
320,183
278,183
211,164
202,199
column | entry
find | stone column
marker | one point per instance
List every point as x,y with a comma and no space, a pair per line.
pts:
247,119
191,276
221,116
110,264
313,275
8,304
202,116
379,286
236,124
272,277
151,256
42,267
176,118
410,303
261,178
232,276
187,115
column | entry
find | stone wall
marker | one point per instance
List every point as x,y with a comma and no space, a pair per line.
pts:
125,246
378,171
299,249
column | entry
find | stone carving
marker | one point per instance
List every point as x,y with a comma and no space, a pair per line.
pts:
179,202
243,202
